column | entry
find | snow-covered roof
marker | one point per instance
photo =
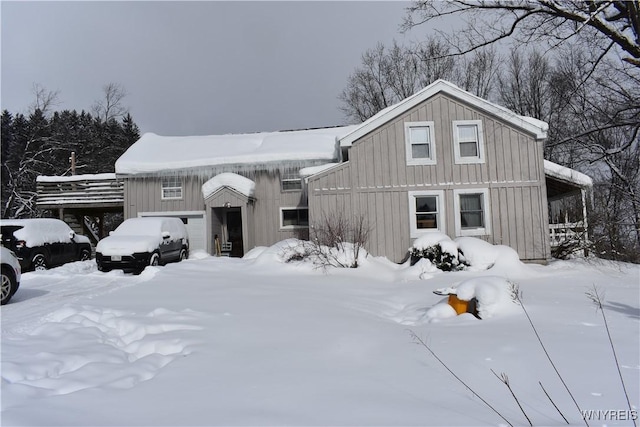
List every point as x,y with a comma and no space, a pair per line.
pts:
237,182
312,170
566,174
72,178
529,124
154,153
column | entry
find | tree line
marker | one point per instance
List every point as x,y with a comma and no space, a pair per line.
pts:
574,65
41,141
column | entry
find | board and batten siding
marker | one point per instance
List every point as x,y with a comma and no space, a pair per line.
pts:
376,181
262,215
145,195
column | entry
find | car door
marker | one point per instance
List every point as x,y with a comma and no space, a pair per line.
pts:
169,249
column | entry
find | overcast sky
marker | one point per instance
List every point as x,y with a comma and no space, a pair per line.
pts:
194,68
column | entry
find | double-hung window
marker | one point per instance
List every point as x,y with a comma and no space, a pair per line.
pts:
468,141
294,218
426,212
420,143
472,212
290,180
171,188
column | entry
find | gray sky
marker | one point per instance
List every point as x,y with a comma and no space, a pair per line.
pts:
193,68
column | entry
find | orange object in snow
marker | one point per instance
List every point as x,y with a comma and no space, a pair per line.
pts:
460,306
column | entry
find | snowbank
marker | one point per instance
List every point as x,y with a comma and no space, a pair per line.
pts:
295,251
481,255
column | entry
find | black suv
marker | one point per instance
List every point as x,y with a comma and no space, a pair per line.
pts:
41,243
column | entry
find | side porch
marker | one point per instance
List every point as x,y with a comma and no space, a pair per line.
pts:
567,196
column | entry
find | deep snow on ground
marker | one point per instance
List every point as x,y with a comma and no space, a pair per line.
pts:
222,341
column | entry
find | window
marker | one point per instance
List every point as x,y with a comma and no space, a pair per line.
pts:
426,210
472,212
171,188
294,217
290,180
420,146
468,142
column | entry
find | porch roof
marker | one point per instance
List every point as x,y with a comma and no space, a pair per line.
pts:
562,180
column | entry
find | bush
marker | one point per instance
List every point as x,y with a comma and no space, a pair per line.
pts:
442,259
335,241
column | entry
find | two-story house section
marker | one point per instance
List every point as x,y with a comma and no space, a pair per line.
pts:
442,160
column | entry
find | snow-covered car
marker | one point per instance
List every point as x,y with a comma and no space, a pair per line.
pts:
41,243
139,242
11,272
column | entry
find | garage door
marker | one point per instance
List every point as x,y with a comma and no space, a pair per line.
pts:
195,224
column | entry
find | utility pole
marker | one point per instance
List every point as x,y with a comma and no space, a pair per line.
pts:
72,160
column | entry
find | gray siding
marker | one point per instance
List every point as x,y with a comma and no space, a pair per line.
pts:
261,217
376,181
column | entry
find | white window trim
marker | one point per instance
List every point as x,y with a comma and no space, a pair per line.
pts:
297,179
456,143
482,231
291,227
417,232
163,188
432,144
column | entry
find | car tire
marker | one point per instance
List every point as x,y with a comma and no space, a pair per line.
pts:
8,284
39,262
183,255
85,254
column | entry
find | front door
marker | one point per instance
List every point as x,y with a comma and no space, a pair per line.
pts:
234,231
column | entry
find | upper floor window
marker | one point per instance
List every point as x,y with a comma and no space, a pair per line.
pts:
420,143
171,188
290,180
468,141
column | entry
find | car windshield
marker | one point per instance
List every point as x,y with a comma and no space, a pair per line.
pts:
139,227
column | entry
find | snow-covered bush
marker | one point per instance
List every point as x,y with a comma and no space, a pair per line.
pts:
463,253
440,250
337,241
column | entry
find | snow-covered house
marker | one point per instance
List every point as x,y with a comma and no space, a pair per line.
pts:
441,160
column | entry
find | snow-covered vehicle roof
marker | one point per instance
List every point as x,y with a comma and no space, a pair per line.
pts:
141,235
38,231
154,153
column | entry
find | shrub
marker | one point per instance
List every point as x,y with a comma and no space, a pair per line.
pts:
443,259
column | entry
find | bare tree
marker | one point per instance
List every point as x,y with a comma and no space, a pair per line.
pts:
44,100
388,75
478,72
110,106
525,21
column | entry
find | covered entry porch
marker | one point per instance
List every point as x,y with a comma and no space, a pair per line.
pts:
229,203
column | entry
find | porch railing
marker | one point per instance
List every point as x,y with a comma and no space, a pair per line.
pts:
566,232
